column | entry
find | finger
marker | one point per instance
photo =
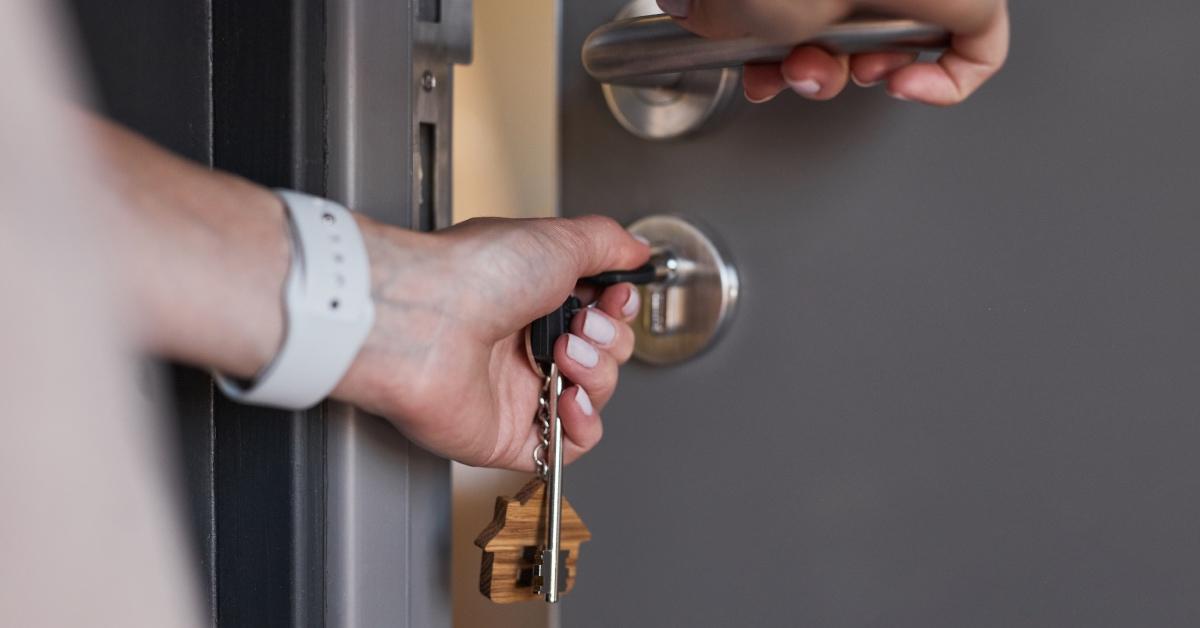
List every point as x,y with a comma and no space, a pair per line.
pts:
971,61
582,428
762,82
584,364
587,293
622,301
605,333
519,458
775,20
815,73
595,244
866,70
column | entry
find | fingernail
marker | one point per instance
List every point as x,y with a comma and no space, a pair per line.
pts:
585,402
579,350
898,96
632,304
640,239
597,327
759,101
675,8
807,87
863,83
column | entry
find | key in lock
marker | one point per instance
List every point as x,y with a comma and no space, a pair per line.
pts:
689,290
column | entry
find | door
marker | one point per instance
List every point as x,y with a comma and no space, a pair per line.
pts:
960,387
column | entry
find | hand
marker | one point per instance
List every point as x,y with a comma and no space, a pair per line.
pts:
979,46
204,255
446,358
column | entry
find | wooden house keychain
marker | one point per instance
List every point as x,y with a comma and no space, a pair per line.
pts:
531,547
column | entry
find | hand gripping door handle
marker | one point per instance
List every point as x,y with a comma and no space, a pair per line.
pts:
650,51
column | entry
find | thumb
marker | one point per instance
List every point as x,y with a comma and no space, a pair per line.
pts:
598,244
784,21
568,249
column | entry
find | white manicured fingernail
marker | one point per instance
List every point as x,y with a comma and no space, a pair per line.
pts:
597,327
632,304
581,352
585,402
759,101
640,239
807,87
675,8
863,83
900,97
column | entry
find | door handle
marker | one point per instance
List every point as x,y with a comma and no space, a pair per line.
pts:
662,82
651,50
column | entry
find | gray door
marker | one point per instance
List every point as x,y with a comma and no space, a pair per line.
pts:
961,388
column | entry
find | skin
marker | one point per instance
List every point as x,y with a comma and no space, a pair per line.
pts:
206,253
978,50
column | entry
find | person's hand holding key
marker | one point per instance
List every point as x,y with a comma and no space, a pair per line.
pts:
446,359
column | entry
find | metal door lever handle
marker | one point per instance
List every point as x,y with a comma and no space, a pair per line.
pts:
649,51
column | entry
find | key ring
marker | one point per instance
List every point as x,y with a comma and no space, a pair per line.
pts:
543,416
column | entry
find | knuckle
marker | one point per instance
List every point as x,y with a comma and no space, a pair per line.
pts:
607,382
604,226
625,351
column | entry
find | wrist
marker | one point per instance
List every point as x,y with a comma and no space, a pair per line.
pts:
410,291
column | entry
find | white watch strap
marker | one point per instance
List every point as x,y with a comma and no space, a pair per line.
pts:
327,300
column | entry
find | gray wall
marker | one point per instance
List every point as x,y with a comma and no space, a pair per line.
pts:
962,388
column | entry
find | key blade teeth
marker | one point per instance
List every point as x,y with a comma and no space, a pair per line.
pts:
539,575
539,580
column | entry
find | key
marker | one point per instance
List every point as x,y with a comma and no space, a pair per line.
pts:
517,565
550,575
533,541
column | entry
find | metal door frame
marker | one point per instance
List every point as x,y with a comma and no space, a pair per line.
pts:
327,517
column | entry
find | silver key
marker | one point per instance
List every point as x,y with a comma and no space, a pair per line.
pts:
551,571
553,563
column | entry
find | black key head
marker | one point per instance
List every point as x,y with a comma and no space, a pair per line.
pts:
544,332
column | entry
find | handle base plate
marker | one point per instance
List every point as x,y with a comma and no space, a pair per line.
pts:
691,100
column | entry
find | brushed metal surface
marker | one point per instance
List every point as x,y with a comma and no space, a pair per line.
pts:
667,106
685,316
642,43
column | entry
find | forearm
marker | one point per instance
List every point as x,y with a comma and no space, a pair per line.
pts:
204,255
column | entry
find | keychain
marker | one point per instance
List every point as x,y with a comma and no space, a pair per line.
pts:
531,547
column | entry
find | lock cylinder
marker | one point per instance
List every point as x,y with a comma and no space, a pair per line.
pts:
689,291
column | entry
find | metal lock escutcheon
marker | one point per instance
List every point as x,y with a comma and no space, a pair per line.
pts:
690,302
